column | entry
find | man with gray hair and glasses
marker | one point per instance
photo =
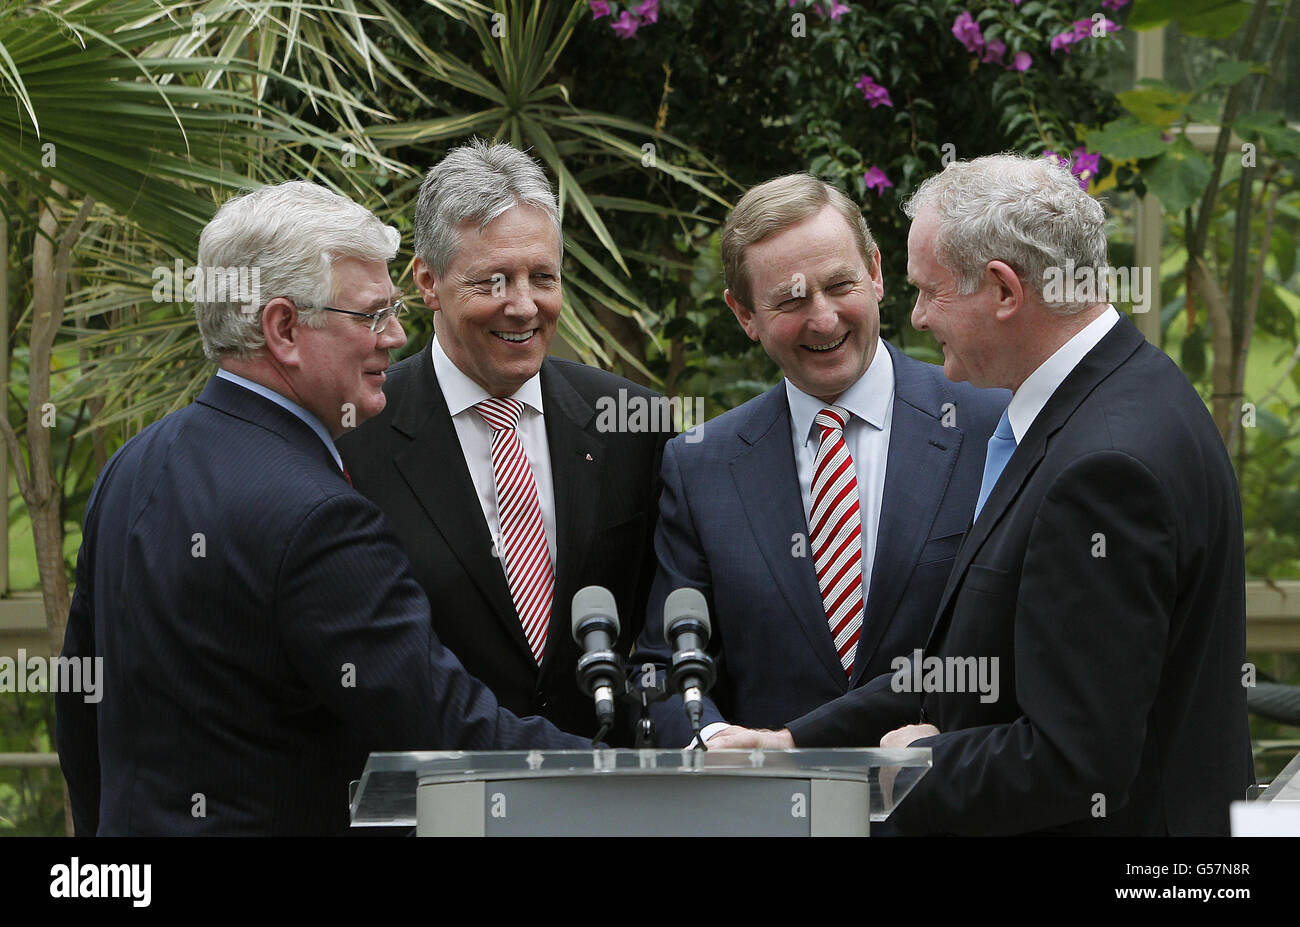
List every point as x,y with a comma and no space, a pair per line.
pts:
505,484
259,627
1101,588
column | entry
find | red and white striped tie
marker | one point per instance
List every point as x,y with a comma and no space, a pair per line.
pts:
837,534
522,548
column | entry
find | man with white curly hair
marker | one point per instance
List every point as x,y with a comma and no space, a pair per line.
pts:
259,627
1101,587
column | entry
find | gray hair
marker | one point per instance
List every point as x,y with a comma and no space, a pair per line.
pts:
283,240
1027,212
477,183
774,206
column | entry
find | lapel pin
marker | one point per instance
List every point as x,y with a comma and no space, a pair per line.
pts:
589,457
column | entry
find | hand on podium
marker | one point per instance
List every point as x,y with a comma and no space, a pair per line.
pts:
743,738
903,736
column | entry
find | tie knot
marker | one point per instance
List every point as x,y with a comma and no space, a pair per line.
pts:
832,417
1003,430
500,413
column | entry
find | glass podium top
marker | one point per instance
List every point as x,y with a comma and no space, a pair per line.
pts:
386,793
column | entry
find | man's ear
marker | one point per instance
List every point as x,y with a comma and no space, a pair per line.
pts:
877,276
1010,291
427,283
280,330
743,315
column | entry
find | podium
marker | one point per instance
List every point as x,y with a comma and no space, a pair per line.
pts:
599,793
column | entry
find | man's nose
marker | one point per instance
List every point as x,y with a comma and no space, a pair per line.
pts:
918,316
393,336
821,313
521,299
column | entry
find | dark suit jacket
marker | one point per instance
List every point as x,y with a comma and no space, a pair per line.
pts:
408,460
1106,575
730,525
260,634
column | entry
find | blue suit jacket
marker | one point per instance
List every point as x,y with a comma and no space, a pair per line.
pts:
260,634
732,524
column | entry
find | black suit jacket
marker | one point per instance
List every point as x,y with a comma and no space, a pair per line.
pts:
1106,575
260,634
731,516
408,459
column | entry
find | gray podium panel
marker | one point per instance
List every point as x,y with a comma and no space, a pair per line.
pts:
636,792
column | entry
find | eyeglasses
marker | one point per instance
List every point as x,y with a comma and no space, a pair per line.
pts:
379,318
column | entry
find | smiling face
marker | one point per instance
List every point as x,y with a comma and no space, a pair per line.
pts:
498,302
341,365
816,303
961,324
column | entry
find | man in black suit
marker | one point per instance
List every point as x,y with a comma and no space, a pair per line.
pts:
481,422
258,624
1100,590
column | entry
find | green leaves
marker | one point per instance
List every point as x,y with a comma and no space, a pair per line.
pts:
1179,176
1271,128
1126,138
1211,19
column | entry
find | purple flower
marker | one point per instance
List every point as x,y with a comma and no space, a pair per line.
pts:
627,25
1063,40
1021,62
872,92
994,49
1059,159
837,10
968,32
1082,29
1113,4
1084,166
599,8
649,12
875,179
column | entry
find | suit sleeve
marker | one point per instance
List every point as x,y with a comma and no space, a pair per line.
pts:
1092,614
681,564
76,725
356,626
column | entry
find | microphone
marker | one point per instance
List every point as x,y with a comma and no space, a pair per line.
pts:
595,629
686,628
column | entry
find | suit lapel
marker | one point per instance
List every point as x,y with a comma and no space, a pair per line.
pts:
768,485
577,466
1114,349
434,468
921,457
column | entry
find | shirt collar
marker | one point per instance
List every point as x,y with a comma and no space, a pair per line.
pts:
284,402
463,393
1039,386
869,399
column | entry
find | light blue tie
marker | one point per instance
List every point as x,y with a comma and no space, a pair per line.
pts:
1001,446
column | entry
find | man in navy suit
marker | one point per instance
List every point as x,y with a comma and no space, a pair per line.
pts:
259,627
1101,587
819,519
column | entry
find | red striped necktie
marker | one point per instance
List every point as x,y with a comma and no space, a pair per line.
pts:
522,546
836,525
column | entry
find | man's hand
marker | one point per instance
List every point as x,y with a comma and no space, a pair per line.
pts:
742,738
903,736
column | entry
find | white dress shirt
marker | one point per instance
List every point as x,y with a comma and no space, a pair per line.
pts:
1039,386
308,419
475,435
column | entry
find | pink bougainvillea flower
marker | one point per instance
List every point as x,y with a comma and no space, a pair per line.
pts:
837,10
875,179
599,8
994,49
1084,166
1063,40
626,25
649,12
872,92
1021,62
968,32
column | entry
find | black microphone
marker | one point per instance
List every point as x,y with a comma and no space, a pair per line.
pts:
595,629
686,628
